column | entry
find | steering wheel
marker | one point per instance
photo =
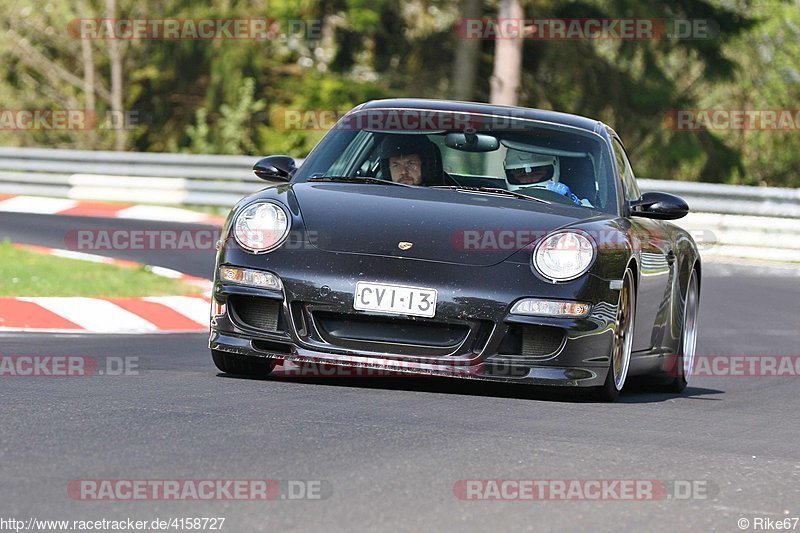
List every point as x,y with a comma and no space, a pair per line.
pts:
562,194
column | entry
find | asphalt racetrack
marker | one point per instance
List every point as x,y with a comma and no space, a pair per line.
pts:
392,452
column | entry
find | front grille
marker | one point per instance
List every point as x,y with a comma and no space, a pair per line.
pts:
531,342
389,330
256,312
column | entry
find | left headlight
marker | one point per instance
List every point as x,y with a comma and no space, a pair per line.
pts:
563,256
261,227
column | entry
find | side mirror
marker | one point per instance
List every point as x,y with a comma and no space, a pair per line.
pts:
275,167
659,205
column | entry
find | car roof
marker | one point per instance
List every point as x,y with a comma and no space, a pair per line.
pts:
555,117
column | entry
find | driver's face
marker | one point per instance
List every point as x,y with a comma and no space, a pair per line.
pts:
406,169
536,175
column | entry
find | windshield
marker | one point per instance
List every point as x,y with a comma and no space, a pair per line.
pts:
546,162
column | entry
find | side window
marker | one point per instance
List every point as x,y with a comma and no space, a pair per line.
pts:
356,150
629,184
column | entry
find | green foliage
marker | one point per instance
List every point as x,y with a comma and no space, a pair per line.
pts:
768,79
232,96
231,133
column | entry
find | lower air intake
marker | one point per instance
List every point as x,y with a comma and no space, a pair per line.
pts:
538,341
523,342
256,312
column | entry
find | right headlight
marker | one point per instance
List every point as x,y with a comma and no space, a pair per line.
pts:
261,227
563,256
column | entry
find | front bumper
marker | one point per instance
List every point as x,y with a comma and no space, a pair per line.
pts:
472,336
535,375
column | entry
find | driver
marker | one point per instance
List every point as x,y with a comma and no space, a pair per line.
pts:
529,170
412,160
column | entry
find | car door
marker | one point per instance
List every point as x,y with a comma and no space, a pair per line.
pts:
656,263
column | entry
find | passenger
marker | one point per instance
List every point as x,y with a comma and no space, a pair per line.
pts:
529,170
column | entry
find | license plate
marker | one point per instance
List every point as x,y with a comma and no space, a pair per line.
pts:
395,299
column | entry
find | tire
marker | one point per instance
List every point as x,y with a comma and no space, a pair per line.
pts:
623,341
684,362
243,365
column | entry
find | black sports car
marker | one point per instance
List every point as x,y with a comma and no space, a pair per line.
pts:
459,239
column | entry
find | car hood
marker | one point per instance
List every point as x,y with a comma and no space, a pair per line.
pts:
441,225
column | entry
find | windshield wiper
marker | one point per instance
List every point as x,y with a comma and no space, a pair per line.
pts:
491,190
356,179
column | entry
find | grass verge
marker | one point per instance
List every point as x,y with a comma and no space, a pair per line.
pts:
27,273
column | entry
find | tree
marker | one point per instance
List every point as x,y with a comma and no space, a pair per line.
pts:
224,95
467,55
115,57
505,79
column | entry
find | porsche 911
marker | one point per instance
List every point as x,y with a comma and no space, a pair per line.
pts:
464,240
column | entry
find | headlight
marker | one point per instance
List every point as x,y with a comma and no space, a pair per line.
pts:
261,227
563,256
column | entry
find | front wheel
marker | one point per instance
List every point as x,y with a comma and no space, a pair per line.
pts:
623,341
243,365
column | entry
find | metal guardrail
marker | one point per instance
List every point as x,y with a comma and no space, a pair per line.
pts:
749,221
731,199
167,179
44,160
220,180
